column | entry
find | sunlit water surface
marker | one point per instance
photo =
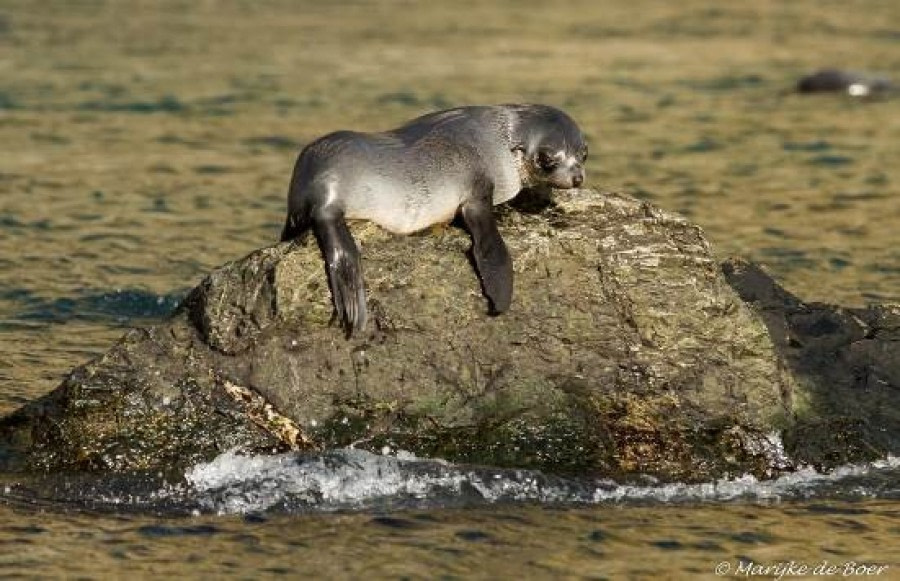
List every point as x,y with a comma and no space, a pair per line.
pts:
142,144
353,514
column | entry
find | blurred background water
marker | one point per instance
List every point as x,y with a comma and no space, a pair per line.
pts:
144,143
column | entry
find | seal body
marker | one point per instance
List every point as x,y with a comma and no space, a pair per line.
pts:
458,162
853,83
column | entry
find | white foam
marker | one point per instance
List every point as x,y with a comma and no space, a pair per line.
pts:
348,477
234,483
791,484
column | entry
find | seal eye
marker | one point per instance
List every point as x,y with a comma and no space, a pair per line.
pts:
547,161
584,154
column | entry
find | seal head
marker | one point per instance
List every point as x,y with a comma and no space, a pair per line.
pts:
552,147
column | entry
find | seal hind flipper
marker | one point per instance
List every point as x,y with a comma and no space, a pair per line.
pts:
492,259
344,271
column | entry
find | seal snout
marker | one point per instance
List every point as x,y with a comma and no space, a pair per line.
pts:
567,177
575,175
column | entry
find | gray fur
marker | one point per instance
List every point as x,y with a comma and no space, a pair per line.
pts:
425,173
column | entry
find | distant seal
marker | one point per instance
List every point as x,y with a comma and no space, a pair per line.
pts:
459,162
853,83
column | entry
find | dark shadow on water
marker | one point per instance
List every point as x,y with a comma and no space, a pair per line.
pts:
412,99
878,179
396,523
703,146
273,141
831,160
164,530
113,237
813,146
165,104
159,205
726,83
860,196
7,102
168,104
10,221
172,139
212,169
121,306
788,259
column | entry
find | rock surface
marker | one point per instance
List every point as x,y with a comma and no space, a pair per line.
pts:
626,351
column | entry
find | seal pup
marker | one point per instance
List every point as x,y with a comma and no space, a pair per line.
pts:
458,162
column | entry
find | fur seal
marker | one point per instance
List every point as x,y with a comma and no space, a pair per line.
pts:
458,162
853,83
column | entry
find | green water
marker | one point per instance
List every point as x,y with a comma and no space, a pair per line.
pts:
142,144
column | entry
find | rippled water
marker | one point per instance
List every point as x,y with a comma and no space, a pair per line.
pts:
142,144
533,542
401,516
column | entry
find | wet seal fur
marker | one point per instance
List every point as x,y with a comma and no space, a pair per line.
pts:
839,81
458,162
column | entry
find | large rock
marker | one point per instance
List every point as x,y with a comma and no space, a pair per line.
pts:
626,351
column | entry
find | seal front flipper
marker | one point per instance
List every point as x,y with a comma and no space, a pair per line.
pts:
294,227
344,270
492,259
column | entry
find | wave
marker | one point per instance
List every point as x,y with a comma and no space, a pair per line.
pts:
355,479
